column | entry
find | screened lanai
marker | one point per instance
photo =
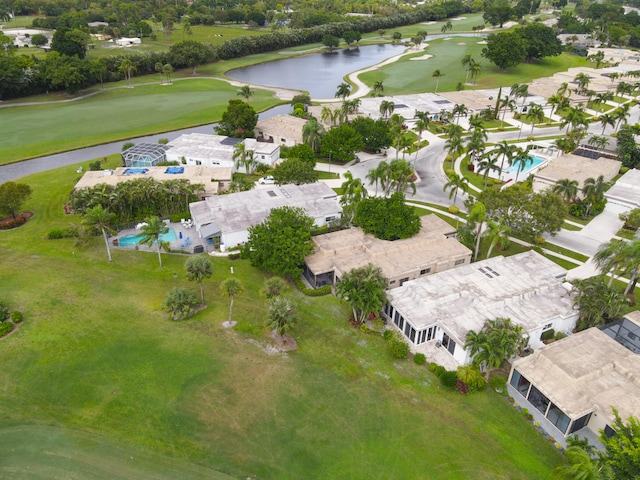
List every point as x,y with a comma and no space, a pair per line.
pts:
144,155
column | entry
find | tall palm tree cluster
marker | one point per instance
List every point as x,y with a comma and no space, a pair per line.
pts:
136,199
394,176
499,340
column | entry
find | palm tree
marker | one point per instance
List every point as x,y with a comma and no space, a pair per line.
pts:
598,141
167,69
446,27
396,130
506,151
566,188
581,466
405,142
454,147
620,115
400,175
386,108
239,154
245,92
466,62
421,126
583,81
603,97
198,268
477,215
459,110
98,217
344,90
610,257
127,67
378,175
151,230
498,234
506,103
437,74
488,164
498,341
456,183
521,160
378,88
477,142
281,315
576,116
475,68
535,115
327,115
606,119
230,288
353,191
312,132
593,190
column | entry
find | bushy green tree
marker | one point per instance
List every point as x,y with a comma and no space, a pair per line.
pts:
375,134
541,41
341,143
627,148
302,152
12,196
506,49
387,218
294,170
280,243
238,120
70,42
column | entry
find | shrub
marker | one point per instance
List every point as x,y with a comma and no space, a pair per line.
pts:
624,170
95,166
55,234
552,440
4,312
398,348
5,328
234,256
419,359
536,423
558,445
539,240
525,412
432,367
511,399
453,209
547,334
449,379
498,383
439,370
127,145
58,233
163,141
176,217
17,316
388,334
311,292
560,335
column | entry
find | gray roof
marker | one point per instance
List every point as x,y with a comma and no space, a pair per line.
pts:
527,288
626,190
236,212
585,372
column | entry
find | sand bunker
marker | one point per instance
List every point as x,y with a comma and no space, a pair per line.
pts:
461,43
484,42
426,56
458,18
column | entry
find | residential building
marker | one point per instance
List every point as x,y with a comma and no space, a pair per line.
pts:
433,249
213,180
225,219
625,193
281,129
203,149
263,152
575,382
442,308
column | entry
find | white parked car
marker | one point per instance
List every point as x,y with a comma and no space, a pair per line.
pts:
268,180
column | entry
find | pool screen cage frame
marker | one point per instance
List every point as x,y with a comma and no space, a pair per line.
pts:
144,155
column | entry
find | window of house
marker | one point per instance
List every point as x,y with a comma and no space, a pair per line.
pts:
538,399
402,280
282,140
520,383
425,271
547,326
329,219
459,262
581,423
558,418
198,162
392,282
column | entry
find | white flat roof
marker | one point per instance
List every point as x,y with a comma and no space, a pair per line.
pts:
626,190
202,146
237,212
586,371
527,288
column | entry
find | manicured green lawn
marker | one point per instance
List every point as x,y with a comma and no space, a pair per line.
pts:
115,115
415,76
98,365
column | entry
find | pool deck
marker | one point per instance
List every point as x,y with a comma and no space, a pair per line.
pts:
180,244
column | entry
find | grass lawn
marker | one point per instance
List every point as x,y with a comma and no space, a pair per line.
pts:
116,115
98,369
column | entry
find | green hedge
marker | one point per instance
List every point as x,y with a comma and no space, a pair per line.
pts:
313,292
5,328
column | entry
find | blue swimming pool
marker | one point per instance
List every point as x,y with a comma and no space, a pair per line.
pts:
135,171
132,240
537,161
174,170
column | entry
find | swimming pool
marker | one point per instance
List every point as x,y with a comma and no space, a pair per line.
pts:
174,170
537,161
132,240
135,171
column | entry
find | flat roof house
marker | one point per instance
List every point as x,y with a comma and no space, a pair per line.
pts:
433,249
574,382
203,149
225,219
625,193
263,152
213,180
281,129
442,308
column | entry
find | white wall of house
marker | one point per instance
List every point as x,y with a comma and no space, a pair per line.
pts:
204,161
559,324
232,239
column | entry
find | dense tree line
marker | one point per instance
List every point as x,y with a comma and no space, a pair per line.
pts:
136,199
22,75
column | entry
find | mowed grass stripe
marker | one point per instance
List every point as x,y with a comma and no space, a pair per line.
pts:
115,115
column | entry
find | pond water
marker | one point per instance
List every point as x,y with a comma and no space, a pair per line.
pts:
318,73
321,73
